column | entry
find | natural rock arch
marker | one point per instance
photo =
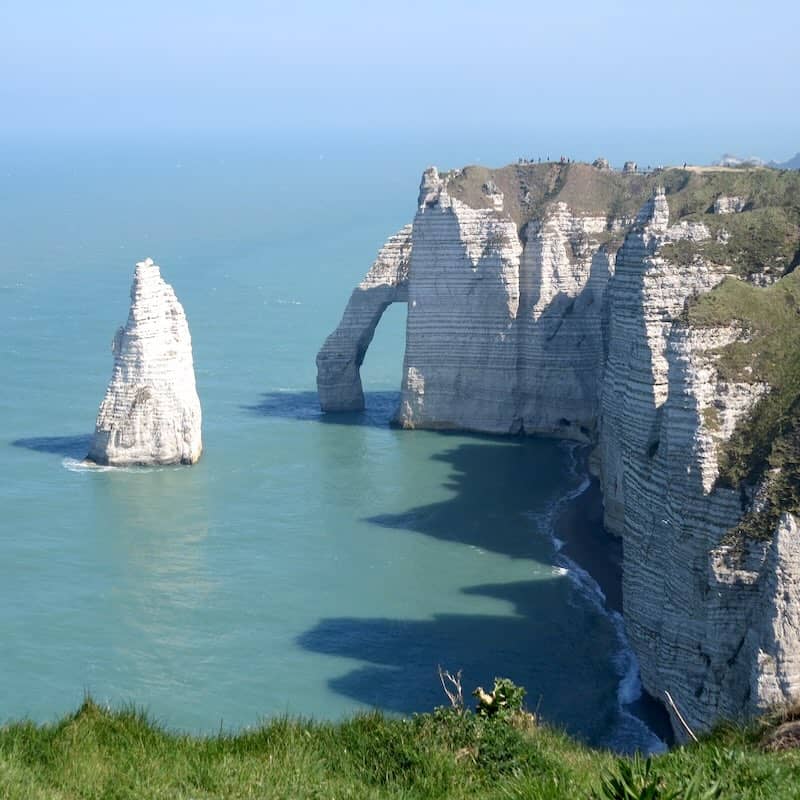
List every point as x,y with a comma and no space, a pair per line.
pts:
340,359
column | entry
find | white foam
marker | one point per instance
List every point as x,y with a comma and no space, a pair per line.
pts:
79,465
629,728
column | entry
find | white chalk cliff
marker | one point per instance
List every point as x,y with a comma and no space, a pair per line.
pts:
462,302
532,309
151,412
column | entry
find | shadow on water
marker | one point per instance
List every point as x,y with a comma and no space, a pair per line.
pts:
496,481
487,510
74,446
403,654
559,671
552,641
304,405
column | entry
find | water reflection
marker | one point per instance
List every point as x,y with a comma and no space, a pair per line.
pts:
151,529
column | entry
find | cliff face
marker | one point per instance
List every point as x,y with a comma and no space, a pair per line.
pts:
714,623
541,301
647,295
460,363
150,413
564,277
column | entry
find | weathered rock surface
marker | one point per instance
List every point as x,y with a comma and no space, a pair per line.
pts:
460,362
645,298
535,309
564,275
151,412
729,205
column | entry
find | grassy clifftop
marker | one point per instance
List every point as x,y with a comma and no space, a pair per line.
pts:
765,447
528,188
763,238
97,753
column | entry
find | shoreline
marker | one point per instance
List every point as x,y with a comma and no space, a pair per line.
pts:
582,541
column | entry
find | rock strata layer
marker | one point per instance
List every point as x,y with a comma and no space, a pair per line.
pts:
460,362
151,412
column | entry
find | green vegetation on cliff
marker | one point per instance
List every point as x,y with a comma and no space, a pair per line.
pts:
765,446
97,753
762,239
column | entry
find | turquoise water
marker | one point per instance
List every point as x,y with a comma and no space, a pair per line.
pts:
308,564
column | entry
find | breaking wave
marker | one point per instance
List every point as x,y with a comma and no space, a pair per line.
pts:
80,465
629,732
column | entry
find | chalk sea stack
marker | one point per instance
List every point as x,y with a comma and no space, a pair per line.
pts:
151,412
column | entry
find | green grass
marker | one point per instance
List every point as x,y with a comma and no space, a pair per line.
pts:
98,753
692,194
762,240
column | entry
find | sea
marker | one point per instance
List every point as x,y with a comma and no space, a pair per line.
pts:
309,565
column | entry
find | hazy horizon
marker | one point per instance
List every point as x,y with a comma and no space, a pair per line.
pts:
510,80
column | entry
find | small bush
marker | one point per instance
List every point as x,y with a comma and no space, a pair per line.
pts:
505,698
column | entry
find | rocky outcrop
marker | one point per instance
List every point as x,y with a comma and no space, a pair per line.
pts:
491,312
729,205
533,308
151,412
339,361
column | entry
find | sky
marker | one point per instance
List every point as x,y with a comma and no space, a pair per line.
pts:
725,73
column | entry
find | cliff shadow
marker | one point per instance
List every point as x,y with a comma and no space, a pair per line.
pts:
379,408
553,637
67,446
563,674
497,485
